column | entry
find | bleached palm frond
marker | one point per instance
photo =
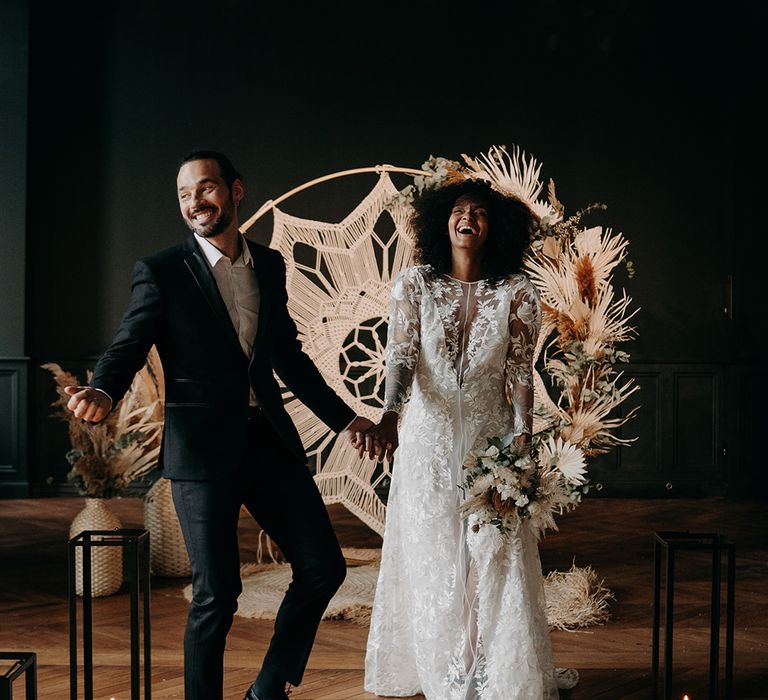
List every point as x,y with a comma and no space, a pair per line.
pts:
604,249
609,322
513,174
588,426
564,456
555,281
557,278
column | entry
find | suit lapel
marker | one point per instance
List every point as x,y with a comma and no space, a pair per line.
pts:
205,280
266,294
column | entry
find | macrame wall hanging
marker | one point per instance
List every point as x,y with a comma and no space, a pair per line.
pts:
339,277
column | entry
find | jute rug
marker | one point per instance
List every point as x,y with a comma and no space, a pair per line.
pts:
575,598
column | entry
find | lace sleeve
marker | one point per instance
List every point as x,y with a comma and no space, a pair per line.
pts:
403,341
524,325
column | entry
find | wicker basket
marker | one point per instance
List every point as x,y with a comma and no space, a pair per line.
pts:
168,554
106,562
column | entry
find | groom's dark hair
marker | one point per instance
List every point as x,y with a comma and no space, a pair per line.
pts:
228,171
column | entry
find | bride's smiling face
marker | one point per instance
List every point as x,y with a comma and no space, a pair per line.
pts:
468,223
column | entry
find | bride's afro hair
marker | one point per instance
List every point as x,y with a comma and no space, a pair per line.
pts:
510,225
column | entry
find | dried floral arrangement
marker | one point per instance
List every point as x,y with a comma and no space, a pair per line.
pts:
108,456
505,485
583,321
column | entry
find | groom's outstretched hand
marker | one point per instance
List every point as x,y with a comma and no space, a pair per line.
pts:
88,403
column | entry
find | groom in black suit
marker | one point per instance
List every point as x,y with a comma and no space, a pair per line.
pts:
215,308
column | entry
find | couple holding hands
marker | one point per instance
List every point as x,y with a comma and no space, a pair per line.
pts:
462,331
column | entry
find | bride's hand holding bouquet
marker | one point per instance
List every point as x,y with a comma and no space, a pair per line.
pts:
513,481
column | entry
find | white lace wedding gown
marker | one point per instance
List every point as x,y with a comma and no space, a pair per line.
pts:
457,615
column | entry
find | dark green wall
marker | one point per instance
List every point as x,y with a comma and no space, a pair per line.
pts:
14,57
14,375
644,106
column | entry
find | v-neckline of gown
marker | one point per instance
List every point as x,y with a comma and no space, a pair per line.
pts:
454,370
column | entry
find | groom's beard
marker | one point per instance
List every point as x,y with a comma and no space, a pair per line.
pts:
219,224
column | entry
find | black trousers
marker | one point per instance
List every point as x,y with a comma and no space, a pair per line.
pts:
279,492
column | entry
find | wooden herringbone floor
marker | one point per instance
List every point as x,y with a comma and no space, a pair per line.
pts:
612,536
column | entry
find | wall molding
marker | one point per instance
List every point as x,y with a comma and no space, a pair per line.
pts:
14,436
680,432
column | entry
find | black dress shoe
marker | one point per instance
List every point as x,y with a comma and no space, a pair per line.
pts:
251,695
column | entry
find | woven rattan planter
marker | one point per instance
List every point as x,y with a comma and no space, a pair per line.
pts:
106,562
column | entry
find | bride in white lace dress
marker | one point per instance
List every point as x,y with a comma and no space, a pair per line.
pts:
458,614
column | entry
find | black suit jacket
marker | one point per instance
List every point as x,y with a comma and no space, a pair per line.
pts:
176,305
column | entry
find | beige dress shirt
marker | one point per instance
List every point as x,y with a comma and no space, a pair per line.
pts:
239,289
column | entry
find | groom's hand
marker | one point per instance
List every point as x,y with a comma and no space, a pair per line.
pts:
356,434
88,403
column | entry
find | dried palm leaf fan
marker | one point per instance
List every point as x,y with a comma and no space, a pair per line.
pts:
339,277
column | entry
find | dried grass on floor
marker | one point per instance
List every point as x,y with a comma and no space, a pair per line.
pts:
576,598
